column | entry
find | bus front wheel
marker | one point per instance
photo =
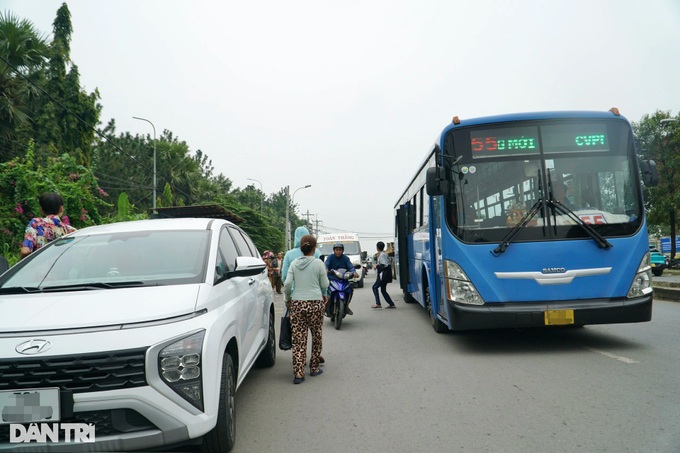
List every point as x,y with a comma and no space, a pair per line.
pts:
437,325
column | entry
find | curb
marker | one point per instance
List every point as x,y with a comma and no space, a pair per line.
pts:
672,294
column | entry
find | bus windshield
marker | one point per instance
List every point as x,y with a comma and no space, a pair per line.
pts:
505,169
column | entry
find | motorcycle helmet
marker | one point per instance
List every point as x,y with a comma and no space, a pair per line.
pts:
338,246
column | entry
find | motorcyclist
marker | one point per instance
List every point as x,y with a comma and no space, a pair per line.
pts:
338,260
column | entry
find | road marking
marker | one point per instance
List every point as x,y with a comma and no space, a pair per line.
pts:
613,356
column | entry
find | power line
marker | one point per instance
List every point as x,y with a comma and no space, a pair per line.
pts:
365,234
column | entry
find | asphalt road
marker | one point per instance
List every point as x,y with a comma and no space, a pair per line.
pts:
391,384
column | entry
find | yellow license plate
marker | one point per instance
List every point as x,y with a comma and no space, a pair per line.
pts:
559,317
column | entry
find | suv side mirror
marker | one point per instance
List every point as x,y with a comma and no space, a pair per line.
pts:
650,175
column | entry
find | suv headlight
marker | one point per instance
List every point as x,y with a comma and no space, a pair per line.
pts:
179,365
642,282
459,288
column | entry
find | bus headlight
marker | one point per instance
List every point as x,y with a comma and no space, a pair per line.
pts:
642,282
459,288
179,365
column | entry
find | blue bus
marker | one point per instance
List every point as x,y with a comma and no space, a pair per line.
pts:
526,220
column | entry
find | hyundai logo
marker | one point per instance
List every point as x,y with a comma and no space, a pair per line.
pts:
553,270
31,347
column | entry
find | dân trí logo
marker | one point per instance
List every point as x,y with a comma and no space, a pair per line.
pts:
41,432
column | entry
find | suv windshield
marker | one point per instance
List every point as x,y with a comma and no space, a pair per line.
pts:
150,257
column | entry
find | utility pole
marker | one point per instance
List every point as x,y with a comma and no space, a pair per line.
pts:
287,218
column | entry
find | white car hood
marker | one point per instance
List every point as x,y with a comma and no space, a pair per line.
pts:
94,308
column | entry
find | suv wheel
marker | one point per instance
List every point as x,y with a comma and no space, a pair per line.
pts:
222,436
267,357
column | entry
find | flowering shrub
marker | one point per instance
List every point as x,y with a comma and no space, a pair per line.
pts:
21,184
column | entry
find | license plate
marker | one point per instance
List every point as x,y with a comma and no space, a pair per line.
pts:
30,405
559,317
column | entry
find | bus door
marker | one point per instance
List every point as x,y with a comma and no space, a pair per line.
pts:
402,244
438,290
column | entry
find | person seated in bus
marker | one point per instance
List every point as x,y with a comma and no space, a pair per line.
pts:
338,260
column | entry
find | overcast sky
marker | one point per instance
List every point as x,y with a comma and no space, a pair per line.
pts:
349,96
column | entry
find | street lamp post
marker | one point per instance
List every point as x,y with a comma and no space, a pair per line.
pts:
154,157
288,203
261,190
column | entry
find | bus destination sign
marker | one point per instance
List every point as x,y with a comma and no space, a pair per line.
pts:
524,141
507,141
575,138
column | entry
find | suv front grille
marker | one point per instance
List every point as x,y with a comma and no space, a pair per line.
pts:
78,373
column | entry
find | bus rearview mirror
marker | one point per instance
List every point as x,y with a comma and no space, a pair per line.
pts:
650,175
434,182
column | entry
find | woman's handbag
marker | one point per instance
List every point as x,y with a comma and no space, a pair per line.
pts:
385,273
285,334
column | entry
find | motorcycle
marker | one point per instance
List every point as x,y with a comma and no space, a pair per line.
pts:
364,269
340,295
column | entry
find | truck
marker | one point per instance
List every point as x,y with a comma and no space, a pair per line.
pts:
352,245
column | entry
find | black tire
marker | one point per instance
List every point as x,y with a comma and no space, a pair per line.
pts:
408,298
657,272
267,357
360,283
223,435
339,313
437,325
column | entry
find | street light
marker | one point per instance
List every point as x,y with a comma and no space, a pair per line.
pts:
261,190
288,203
154,157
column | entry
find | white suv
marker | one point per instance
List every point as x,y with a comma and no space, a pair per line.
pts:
143,330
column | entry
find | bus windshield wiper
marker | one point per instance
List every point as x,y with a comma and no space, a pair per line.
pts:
600,240
505,242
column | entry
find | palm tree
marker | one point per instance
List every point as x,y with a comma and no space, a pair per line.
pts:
22,50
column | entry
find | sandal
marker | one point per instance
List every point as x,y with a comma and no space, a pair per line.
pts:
391,306
376,306
316,373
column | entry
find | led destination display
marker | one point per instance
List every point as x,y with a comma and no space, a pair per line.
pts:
574,138
507,141
524,141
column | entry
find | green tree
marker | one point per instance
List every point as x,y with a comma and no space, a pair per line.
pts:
661,142
65,116
124,164
22,49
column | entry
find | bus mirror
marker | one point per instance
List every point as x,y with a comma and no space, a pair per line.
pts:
434,183
650,175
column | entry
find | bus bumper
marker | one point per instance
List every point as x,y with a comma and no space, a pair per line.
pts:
532,314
